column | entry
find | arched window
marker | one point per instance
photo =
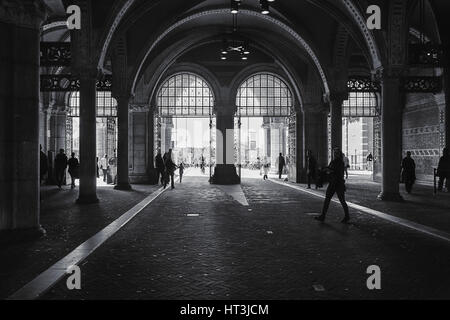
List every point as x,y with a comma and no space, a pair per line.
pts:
106,104
360,104
185,94
262,95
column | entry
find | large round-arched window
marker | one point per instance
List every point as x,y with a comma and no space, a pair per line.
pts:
264,94
185,95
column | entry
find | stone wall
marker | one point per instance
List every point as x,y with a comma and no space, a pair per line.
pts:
422,131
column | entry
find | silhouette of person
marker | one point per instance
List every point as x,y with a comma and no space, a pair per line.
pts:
43,163
181,168
335,172
311,167
443,170
170,168
160,168
60,167
73,169
281,165
104,166
346,165
266,167
408,172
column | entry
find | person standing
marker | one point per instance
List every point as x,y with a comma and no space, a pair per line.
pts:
73,169
369,161
98,173
181,168
104,166
160,168
170,168
408,172
281,165
346,165
335,172
311,167
60,167
266,167
43,164
443,170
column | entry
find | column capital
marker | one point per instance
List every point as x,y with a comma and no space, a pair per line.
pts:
139,107
338,97
390,72
86,73
23,13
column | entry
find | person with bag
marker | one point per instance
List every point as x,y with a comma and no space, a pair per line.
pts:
335,172
73,169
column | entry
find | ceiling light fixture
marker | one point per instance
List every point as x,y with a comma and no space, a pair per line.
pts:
264,6
235,6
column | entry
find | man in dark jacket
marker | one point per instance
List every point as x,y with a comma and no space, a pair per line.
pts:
43,164
73,169
170,168
443,170
159,164
311,167
60,167
408,172
281,165
337,185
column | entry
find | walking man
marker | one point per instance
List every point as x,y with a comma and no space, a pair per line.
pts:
43,164
73,169
408,172
159,163
311,166
104,166
60,167
335,172
346,166
170,168
281,165
181,168
443,170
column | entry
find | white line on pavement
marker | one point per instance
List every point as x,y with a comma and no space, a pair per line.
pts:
403,222
47,279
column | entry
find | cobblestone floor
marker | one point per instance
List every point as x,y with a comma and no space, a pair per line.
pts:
275,250
67,225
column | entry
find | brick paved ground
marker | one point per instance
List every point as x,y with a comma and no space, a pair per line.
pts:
67,225
274,251
422,206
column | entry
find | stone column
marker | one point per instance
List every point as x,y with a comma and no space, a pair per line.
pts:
391,136
123,181
447,102
276,141
336,101
57,131
225,170
316,133
20,23
85,67
266,127
88,137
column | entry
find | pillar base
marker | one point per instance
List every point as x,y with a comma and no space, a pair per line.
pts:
225,174
123,186
19,235
87,199
390,196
